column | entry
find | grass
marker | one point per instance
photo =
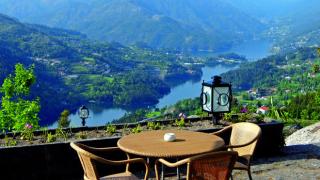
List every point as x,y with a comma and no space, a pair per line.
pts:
89,59
79,69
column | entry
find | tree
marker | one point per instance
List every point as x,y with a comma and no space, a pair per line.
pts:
315,68
64,119
16,109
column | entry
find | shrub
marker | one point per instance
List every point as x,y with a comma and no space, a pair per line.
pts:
16,108
60,133
227,117
27,133
50,138
111,129
243,117
136,129
9,142
153,125
82,135
180,123
64,120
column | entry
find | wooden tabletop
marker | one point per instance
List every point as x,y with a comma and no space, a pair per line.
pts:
187,143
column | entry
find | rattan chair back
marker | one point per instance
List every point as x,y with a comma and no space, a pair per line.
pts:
213,166
244,133
208,166
87,160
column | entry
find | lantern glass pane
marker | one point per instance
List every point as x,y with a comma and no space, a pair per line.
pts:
84,113
221,99
206,98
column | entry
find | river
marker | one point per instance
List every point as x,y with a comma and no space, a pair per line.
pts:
253,50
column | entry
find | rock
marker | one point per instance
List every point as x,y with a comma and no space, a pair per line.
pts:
307,135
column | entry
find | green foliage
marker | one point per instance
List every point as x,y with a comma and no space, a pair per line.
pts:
77,69
315,68
50,138
64,121
227,117
27,133
16,110
9,141
60,133
153,114
180,122
243,117
153,125
111,129
81,135
136,129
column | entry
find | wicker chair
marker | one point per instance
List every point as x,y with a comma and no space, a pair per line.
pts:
88,161
243,139
209,166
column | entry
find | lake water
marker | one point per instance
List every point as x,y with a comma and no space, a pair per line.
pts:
191,89
253,50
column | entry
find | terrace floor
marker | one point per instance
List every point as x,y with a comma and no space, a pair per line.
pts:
297,162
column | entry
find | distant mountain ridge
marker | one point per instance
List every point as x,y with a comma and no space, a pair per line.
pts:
292,23
177,24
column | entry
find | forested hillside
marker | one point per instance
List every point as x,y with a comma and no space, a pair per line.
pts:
71,70
275,69
178,24
292,80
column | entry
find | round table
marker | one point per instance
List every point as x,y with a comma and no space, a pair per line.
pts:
187,143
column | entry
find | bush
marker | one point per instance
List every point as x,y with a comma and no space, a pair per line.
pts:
136,129
64,120
111,129
50,138
27,133
180,123
16,109
153,125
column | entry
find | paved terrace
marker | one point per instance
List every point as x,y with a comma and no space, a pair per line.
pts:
297,162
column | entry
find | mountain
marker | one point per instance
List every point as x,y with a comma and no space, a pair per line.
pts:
266,9
73,70
291,71
300,27
179,24
292,24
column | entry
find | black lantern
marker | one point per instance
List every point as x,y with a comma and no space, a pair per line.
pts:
216,97
83,114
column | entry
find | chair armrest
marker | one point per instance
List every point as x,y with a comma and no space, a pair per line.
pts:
169,164
221,131
244,144
126,162
106,149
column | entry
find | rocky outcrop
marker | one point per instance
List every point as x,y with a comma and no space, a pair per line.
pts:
307,135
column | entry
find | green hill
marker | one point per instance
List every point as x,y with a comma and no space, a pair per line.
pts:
273,71
72,70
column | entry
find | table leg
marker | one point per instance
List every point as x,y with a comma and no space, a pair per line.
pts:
178,171
162,171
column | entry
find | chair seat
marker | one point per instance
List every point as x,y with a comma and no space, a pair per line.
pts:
239,165
120,176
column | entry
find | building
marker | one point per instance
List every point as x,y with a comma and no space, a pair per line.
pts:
262,110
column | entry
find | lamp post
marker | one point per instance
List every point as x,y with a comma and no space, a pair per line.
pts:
83,114
216,97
